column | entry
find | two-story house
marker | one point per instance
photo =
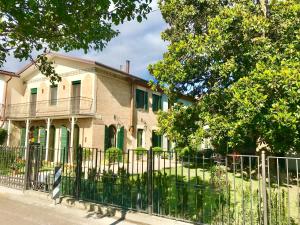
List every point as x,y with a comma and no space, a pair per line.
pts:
94,105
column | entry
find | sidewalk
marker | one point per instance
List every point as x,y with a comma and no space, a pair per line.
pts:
33,208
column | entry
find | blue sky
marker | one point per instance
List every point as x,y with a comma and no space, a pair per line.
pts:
138,42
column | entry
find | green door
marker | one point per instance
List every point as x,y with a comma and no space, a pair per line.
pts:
51,143
120,138
43,136
64,145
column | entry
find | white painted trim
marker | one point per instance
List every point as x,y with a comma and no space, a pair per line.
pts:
47,138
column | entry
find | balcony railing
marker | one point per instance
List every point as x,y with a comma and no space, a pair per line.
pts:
54,107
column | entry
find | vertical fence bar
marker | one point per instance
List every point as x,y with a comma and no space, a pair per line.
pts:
150,190
27,170
78,172
264,191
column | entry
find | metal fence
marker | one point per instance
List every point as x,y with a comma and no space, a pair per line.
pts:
200,188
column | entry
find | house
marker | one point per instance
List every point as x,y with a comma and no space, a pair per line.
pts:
94,105
5,78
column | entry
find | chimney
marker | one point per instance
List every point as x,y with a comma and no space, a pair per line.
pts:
121,67
127,68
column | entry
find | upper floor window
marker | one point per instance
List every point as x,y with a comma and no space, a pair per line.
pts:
156,102
53,94
141,99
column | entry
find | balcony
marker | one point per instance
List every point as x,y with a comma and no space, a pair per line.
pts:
55,107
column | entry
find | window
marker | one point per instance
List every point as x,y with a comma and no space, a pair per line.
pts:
156,102
141,99
156,139
53,94
140,137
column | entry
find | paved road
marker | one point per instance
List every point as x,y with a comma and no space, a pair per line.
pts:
22,210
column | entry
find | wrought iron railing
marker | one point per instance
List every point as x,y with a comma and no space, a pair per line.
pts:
195,187
57,107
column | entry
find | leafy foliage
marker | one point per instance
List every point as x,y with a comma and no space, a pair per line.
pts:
113,155
43,26
140,152
242,64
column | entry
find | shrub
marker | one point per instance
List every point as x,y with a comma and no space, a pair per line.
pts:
140,151
157,150
86,154
113,155
3,135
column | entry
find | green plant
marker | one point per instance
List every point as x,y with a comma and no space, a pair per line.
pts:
113,155
3,135
18,164
86,154
140,152
157,151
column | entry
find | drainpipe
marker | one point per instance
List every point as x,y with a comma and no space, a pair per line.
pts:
132,108
5,100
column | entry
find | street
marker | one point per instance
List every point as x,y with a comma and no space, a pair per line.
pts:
23,210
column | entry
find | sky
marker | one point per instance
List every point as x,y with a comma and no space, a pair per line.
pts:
138,42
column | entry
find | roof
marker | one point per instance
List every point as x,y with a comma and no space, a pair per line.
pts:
95,63
8,73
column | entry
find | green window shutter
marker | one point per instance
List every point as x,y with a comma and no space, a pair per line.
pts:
159,103
33,90
156,140
139,96
64,145
156,102
76,82
106,137
146,101
43,135
36,134
120,138
23,136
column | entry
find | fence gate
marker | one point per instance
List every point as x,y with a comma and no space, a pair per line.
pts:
38,177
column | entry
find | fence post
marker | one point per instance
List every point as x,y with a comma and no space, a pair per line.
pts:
150,183
78,172
27,168
264,190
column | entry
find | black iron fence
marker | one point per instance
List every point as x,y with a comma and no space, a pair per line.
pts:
206,189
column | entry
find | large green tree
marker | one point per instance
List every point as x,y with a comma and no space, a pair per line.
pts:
28,26
240,59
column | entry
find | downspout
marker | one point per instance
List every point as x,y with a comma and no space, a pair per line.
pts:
5,101
132,108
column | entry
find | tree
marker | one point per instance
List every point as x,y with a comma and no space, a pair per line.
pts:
42,26
240,59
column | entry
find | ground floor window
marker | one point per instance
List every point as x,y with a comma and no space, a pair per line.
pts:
112,132
140,137
156,139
